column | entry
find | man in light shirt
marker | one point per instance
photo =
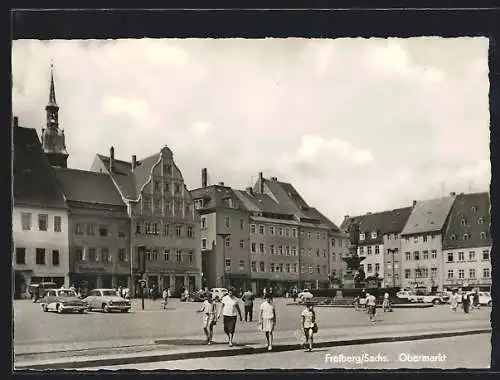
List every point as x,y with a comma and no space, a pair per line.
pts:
229,310
371,304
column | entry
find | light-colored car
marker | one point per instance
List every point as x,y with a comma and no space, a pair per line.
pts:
106,300
485,298
62,301
218,293
305,295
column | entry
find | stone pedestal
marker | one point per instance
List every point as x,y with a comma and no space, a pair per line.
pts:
348,280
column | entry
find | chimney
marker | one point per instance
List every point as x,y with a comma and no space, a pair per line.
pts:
249,190
204,177
414,203
452,194
221,183
111,158
274,178
346,217
261,183
134,162
16,121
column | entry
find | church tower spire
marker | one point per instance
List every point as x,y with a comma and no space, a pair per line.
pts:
53,139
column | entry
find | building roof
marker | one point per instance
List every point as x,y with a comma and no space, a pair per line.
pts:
470,215
385,222
35,183
89,187
261,203
217,196
428,216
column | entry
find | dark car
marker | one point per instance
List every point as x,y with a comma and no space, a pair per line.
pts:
37,291
61,301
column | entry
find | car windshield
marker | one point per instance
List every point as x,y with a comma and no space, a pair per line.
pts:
107,293
66,293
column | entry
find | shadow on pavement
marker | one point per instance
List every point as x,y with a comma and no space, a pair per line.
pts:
197,342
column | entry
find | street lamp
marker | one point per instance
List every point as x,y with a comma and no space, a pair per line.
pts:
223,236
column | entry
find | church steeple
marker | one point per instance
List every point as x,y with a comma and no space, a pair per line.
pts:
53,139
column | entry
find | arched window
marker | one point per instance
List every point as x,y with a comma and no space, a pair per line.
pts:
483,235
480,221
474,209
466,236
463,222
453,237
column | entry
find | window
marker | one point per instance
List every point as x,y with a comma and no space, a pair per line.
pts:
374,235
462,222
369,249
407,273
26,221
43,221
486,255
146,204
461,273
434,272
40,256
472,273
480,221
166,189
203,222
178,230
294,251
377,250
271,249
271,230
318,269
190,256
324,253
242,265
425,273
177,188
166,254
472,256
369,268
416,255
332,242
242,224
425,255
309,235
190,232
425,238
474,209
167,169
20,255
78,229
483,235
318,235
407,256
105,256
122,255
261,229
287,267
178,256
407,239
228,242
204,243
242,243
453,238
253,266
178,206
156,186
461,256
361,236
280,250
466,236
486,272
227,221
287,231
254,248
317,252
450,257
91,229
188,208
79,253
198,204
121,234
450,274
309,251
301,251
294,232
294,270
261,247
280,231
310,269
157,204
55,257
334,257
287,250
361,250
262,266
252,228
92,255
377,267
271,268
433,254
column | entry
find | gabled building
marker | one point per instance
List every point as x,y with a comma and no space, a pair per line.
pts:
164,227
39,218
467,242
421,244
380,243
99,230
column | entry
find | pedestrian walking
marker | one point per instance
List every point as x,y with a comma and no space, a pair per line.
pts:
476,300
465,303
309,325
230,309
208,308
386,305
356,303
267,319
454,301
294,294
165,298
248,299
371,303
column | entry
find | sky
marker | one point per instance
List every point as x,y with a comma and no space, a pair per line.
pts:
356,125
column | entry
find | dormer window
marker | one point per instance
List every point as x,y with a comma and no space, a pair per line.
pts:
198,204
474,209
466,236
374,234
361,236
480,221
462,222
483,235
453,238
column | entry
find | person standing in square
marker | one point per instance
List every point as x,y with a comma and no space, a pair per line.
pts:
229,310
248,298
268,319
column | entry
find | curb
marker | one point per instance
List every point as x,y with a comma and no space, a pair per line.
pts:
394,306
245,350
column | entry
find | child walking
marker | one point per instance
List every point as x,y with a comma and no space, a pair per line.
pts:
268,320
208,309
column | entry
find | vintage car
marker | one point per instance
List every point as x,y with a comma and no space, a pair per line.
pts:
62,301
218,293
106,300
37,291
305,295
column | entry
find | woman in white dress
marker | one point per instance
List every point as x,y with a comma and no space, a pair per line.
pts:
268,319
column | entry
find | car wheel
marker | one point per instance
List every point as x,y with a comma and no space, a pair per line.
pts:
436,302
81,311
59,309
44,308
33,298
490,303
105,308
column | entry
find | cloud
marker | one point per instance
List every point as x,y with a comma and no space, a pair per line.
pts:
135,108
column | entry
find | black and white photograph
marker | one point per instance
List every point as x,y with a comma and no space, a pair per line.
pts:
268,203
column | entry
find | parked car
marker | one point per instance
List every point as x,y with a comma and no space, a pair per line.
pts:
106,300
61,301
198,296
485,298
305,295
218,293
37,291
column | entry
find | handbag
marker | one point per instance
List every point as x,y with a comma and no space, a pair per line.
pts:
315,328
